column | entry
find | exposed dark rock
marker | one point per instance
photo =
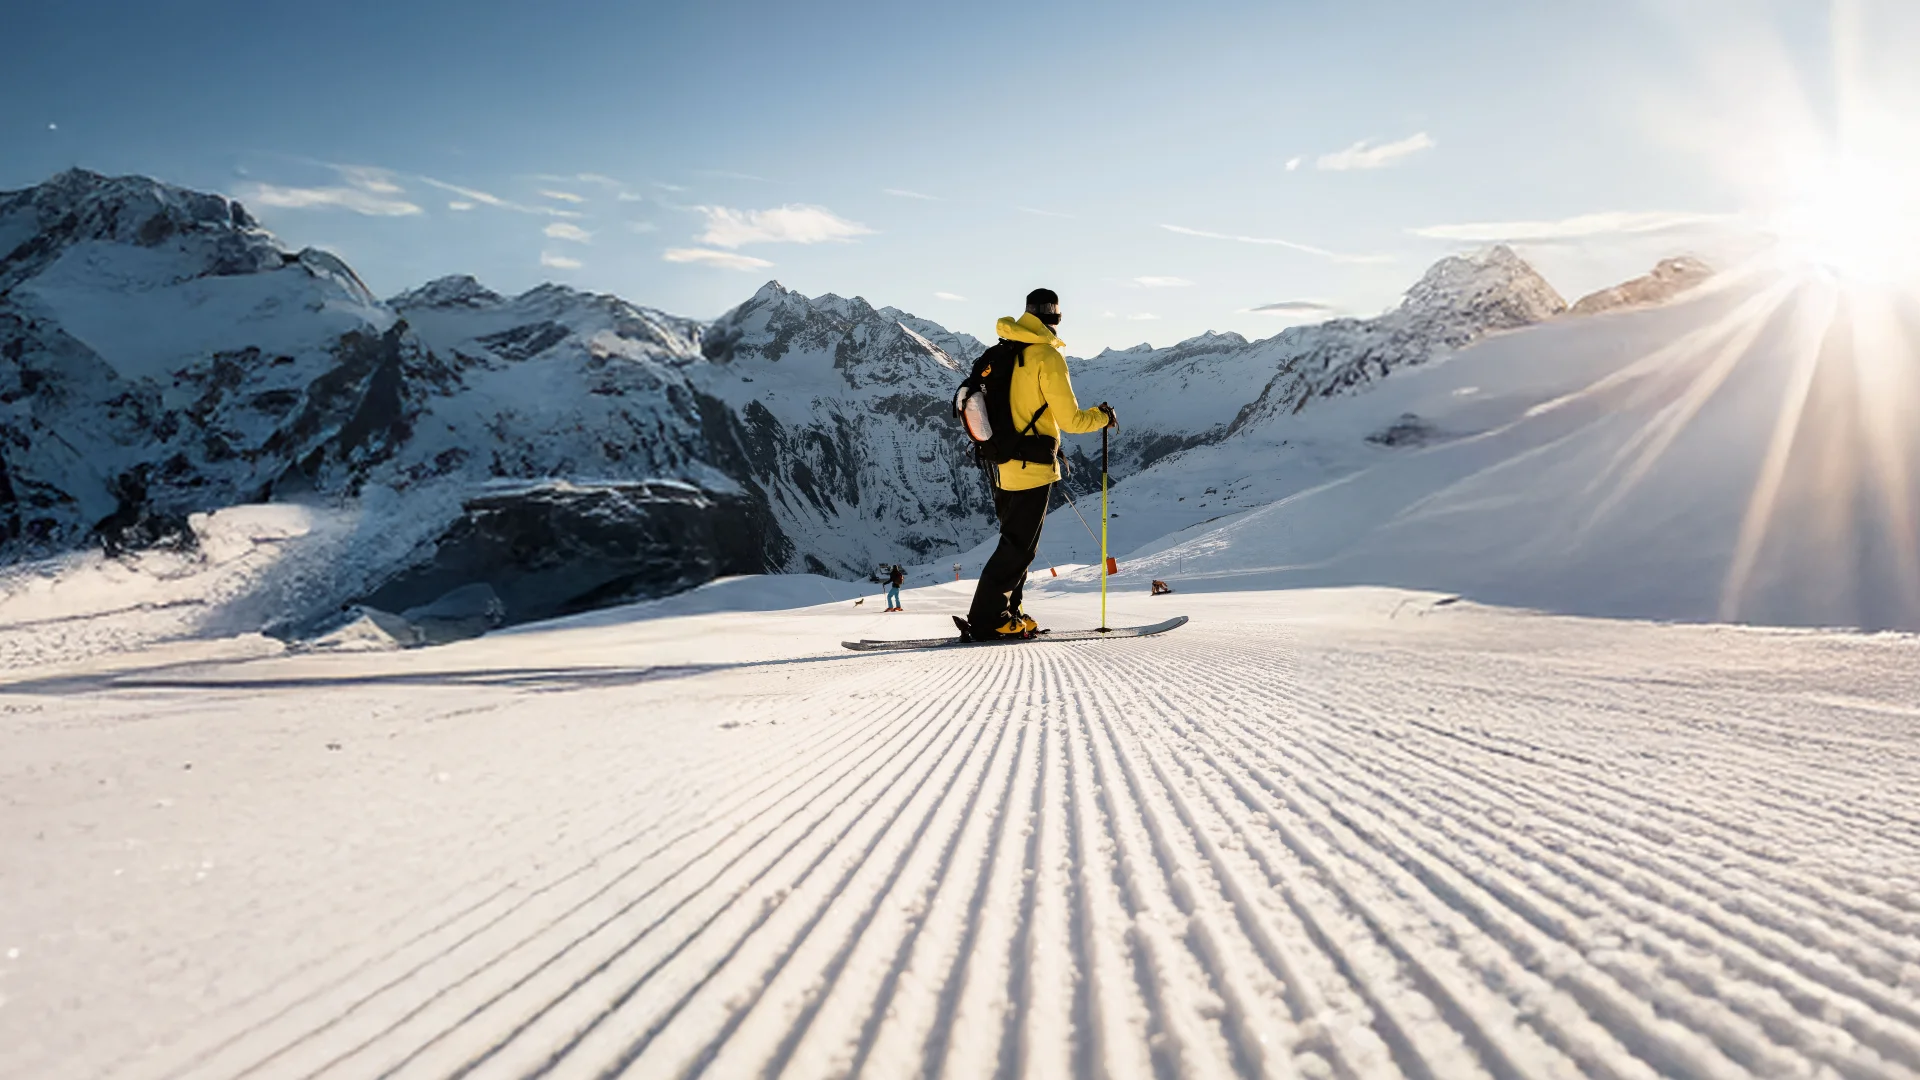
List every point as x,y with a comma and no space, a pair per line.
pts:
1409,430
558,548
467,612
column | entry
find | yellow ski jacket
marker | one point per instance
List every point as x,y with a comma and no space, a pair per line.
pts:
1041,379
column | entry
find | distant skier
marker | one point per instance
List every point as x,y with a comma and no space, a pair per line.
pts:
1042,401
896,577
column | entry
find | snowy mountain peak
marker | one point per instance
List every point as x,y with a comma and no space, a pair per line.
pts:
863,345
1497,286
452,291
772,292
121,206
851,308
216,235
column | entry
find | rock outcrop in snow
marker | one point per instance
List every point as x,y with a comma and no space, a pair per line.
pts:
1668,279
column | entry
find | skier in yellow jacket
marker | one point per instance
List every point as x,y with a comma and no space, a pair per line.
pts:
1023,487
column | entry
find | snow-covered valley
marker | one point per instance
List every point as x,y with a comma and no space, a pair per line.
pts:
1353,833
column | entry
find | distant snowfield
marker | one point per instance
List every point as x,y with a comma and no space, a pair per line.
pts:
1342,833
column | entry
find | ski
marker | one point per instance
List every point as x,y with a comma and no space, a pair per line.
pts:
1055,635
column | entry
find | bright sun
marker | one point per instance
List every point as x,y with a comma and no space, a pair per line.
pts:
1857,219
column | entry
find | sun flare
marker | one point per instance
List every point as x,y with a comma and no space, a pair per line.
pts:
1857,218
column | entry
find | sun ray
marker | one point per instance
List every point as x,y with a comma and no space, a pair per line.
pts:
1811,324
1887,387
1651,441
1694,342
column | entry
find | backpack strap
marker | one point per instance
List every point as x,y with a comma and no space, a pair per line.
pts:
1029,432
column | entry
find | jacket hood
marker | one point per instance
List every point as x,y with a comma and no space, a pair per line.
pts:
1027,328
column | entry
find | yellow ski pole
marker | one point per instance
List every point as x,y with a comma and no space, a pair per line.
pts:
1104,561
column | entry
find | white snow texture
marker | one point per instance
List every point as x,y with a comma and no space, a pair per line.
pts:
1354,833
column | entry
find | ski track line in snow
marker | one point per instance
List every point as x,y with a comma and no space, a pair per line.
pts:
1232,850
628,836
1326,767
552,925
530,893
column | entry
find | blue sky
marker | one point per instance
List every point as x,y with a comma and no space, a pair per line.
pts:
1168,168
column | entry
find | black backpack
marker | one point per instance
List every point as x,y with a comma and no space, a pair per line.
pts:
985,408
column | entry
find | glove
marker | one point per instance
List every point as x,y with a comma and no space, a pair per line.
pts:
1112,420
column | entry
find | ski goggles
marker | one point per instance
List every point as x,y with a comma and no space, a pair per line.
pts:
1048,314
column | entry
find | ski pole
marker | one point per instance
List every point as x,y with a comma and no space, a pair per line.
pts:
1075,507
1104,562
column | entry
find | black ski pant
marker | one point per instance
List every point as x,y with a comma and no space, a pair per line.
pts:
1021,513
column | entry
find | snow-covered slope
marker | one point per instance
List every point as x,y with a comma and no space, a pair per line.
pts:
1748,452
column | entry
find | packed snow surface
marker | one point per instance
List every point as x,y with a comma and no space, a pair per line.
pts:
1348,833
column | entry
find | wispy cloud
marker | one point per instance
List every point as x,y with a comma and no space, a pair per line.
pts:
458,205
1162,282
905,194
1141,317
1365,154
1293,164
723,174
561,230
1578,227
620,190
475,195
1294,309
358,200
668,187
1275,242
956,297
558,262
370,178
365,189
727,259
795,224
1042,213
561,196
